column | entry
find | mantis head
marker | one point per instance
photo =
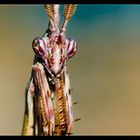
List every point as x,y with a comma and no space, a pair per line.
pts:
54,48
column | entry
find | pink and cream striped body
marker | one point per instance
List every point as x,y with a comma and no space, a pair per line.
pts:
48,109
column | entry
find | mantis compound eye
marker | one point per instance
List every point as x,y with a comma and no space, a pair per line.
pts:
71,48
38,46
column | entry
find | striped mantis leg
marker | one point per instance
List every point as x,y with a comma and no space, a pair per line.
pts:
63,111
39,116
28,115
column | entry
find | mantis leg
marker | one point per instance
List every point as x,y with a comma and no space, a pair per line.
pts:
39,115
28,115
63,111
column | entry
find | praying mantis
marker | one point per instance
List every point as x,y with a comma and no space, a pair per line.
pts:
48,103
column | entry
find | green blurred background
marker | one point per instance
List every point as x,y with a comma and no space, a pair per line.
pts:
105,72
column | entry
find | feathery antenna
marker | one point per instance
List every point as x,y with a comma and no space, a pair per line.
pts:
53,13
49,11
69,10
